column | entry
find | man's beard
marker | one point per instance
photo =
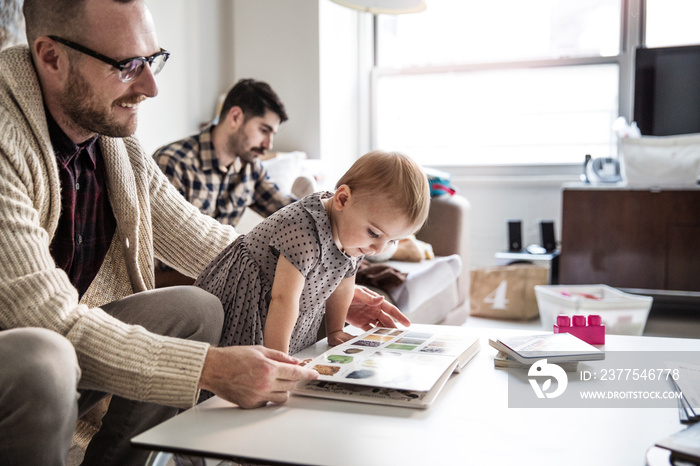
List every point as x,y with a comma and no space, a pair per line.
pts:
238,144
79,103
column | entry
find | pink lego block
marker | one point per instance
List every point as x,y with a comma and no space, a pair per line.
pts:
593,333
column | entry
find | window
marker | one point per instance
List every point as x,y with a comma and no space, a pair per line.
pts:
500,82
452,32
529,115
507,82
672,22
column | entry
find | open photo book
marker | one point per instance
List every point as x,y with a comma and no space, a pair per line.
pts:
389,366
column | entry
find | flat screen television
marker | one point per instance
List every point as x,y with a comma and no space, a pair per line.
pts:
667,90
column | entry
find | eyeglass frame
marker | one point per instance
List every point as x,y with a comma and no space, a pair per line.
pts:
119,65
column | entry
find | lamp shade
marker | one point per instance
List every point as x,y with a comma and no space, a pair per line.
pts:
389,7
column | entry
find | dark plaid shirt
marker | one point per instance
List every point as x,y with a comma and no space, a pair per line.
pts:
217,191
87,223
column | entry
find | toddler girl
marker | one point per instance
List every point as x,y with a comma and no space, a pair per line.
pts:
277,281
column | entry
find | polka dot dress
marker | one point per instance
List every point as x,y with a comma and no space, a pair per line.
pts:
241,276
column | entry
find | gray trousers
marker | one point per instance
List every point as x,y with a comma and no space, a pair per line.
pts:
39,377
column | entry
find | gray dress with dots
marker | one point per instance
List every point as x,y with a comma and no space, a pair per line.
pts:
241,276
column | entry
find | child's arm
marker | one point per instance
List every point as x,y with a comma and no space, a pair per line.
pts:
283,311
336,311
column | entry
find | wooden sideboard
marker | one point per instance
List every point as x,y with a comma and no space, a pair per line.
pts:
631,238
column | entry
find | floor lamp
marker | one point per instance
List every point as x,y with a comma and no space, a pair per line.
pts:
390,7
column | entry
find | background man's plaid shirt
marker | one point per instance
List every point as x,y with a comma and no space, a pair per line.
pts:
223,193
219,192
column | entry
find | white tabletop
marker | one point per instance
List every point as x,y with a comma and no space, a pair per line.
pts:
469,423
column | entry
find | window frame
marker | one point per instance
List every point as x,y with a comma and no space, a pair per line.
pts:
631,36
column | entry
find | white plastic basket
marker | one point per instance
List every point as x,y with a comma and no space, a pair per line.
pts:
621,313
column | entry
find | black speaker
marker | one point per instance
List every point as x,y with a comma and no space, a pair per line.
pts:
547,239
515,239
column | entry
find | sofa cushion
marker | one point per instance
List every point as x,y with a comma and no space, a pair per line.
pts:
431,285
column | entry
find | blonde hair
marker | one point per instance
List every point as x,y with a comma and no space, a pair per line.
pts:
396,177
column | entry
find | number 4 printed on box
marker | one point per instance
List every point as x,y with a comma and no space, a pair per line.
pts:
497,298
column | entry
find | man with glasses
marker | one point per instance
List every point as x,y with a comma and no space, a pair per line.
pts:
83,214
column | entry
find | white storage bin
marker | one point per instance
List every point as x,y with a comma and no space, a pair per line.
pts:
622,313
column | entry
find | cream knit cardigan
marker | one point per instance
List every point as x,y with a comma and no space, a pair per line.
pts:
153,219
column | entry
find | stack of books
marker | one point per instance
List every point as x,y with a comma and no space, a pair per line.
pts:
563,349
503,361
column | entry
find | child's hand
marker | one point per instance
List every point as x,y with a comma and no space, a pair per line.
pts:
338,337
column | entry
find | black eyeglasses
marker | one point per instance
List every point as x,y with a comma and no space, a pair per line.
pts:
130,68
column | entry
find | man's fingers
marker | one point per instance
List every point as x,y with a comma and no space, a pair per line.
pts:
386,311
279,397
253,405
279,356
289,368
394,313
374,299
294,372
385,321
284,386
366,296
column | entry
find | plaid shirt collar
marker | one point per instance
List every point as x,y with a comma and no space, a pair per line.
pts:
65,149
206,151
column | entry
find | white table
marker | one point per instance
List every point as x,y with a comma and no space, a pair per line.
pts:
469,423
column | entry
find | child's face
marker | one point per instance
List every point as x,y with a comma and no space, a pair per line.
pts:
367,227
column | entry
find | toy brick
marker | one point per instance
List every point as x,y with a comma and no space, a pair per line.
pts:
591,329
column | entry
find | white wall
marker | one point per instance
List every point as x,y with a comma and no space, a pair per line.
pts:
200,68
344,85
309,52
314,54
277,41
497,199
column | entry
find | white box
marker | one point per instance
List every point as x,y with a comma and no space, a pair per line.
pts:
622,313
661,161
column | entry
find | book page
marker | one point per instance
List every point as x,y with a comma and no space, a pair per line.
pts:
557,344
391,358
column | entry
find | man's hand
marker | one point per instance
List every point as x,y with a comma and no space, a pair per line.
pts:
250,376
368,309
